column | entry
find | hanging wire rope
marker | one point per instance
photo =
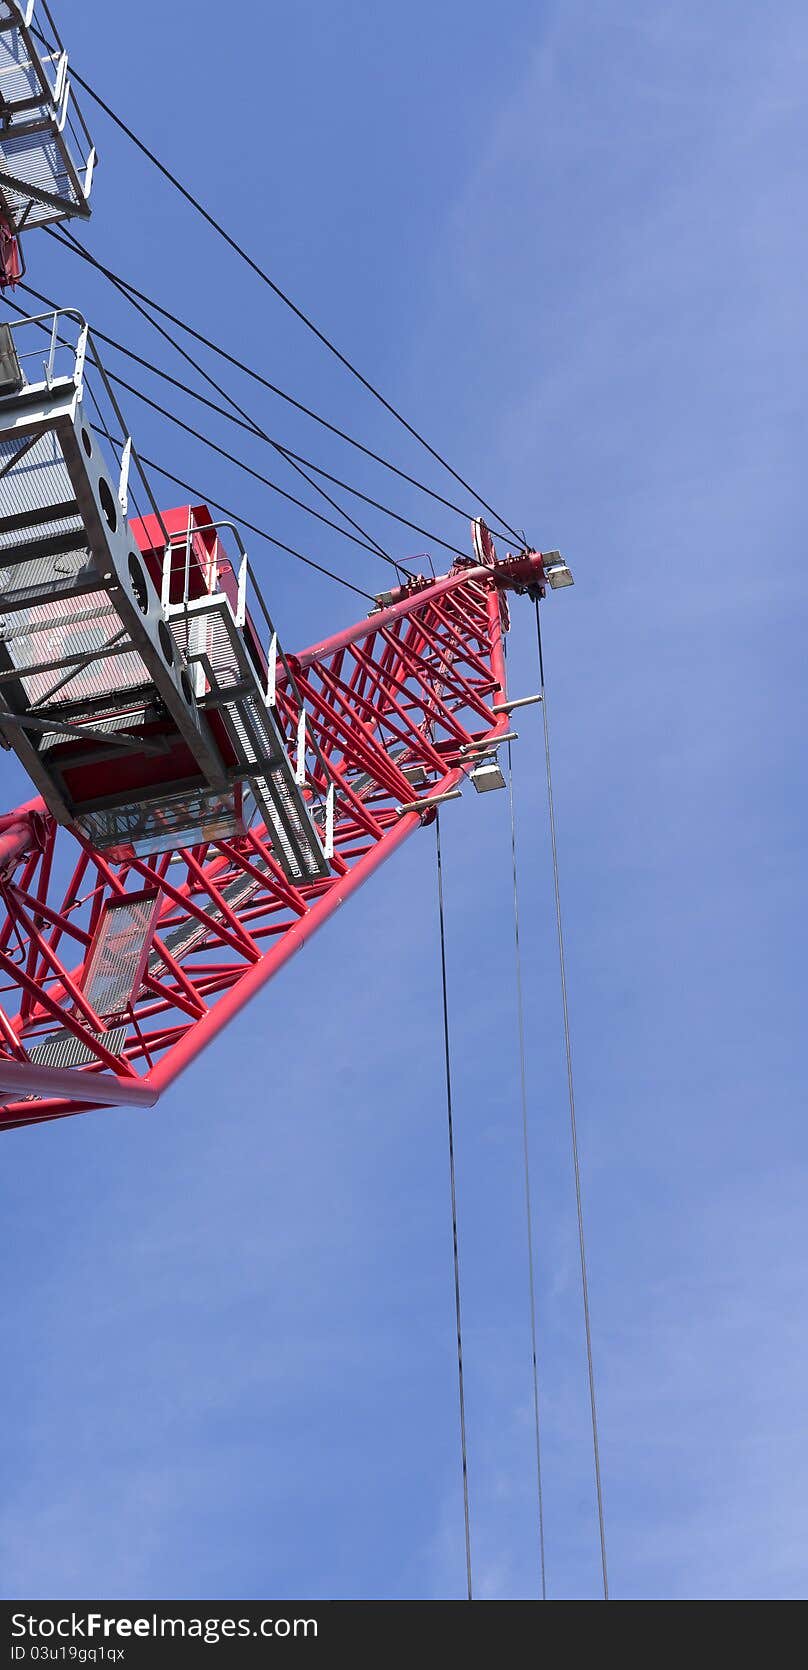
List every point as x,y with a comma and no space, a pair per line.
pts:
520,1009
203,497
265,278
123,284
573,1123
453,1185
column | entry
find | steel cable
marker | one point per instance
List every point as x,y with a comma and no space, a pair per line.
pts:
520,1009
453,1187
265,278
250,423
573,1123
201,497
125,285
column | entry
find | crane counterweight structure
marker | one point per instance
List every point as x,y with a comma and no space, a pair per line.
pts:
206,801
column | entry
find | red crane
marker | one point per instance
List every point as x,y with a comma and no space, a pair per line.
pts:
204,800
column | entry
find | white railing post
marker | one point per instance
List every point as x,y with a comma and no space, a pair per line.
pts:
300,772
272,669
81,354
241,606
123,485
165,594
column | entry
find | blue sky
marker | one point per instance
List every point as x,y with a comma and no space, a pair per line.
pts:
567,239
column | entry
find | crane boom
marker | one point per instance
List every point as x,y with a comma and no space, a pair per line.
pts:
119,967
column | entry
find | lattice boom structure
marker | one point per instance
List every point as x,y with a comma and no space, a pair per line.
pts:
118,967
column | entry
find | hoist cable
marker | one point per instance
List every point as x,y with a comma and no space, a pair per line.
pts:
433,538
239,464
250,424
123,284
520,1008
198,497
453,1186
573,1124
295,459
201,497
265,278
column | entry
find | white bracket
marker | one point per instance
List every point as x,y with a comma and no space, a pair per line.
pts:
428,801
272,669
62,117
48,367
165,593
61,76
81,354
88,176
329,822
300,773
520,701
123,485
241,605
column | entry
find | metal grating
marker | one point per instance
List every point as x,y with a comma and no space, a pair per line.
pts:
18,77
65,628
64,1049
188,935
163,823
34,166
204,632
206,626
118,952
46,158
34,474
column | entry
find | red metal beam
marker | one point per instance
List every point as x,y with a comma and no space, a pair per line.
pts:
409,687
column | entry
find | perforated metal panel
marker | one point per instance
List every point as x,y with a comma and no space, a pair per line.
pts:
118,953
64,1049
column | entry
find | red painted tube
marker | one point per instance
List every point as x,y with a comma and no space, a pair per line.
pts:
102,1089
375,622
14,839
233,1002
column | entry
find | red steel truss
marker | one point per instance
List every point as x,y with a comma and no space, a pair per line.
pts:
114,975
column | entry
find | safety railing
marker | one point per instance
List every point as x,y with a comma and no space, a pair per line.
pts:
45,73
56,351
237,582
